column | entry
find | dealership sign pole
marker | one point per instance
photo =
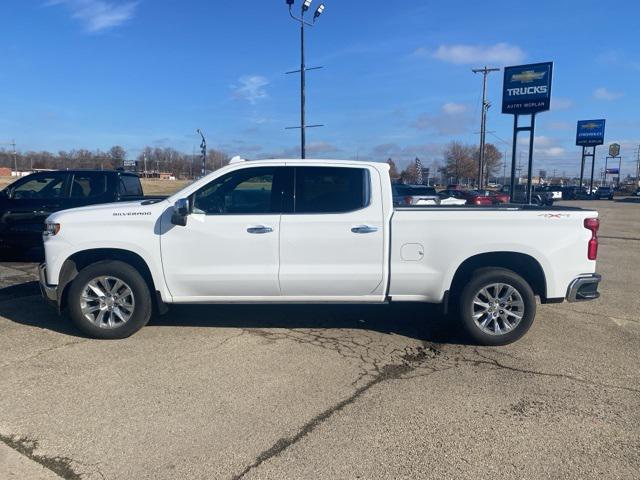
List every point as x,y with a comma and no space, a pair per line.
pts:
589,134
526,91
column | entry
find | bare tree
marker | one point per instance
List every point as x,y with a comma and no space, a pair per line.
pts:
165,159
116,156
459,161
492,161
410,174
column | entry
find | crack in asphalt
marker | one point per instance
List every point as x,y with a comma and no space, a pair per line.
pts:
407,361
496,363
386,373
42,352
368,350
601,315
61,466
633,239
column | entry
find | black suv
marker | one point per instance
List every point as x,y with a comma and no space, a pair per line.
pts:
27,202
537,197
603,193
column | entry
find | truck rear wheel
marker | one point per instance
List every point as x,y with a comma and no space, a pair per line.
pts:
109,300
496,307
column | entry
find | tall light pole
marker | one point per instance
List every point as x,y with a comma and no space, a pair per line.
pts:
203,152
483,119
306,4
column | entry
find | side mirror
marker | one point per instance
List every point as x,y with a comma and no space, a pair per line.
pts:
180,212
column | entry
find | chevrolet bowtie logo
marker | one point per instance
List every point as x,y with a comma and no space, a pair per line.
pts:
590,126
527,76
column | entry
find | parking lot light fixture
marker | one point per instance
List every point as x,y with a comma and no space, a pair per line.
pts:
306,4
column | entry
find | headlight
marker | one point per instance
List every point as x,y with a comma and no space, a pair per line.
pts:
51,229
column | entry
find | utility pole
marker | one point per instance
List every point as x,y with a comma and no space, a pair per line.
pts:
12,143
519,169
483,119
15,156
306,4
144,156
504,167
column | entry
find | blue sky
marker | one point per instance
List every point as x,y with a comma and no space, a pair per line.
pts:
396,81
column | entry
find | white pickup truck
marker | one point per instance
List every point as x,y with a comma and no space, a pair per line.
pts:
314,231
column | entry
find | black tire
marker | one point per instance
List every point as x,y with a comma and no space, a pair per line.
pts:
483,278
537,201
142,305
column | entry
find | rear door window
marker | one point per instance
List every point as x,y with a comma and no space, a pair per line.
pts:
129,186
331,189
88,185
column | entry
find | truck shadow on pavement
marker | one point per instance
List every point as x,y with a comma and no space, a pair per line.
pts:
422,322
419,321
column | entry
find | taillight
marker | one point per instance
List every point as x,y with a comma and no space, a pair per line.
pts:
482,201
592,224
407,200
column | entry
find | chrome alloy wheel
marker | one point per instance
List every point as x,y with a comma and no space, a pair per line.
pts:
107,302
497,308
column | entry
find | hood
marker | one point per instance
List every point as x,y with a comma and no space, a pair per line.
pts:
137,208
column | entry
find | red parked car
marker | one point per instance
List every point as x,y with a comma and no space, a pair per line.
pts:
480,197
498,196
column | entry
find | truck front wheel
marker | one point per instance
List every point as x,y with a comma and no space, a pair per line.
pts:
496,307
109,300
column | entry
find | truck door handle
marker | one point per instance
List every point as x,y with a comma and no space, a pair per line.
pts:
364,229
259,229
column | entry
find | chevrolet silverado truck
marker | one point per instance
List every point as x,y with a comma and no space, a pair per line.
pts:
27,202
315,231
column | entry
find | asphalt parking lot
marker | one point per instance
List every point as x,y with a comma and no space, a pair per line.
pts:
254,392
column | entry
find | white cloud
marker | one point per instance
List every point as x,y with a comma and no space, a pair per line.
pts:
98,15
604,94
561,126
498,54
453,108
401,154
544,146
560,103
618,59
452,120
251,88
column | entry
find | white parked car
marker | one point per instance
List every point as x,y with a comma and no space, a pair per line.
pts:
315,231
448,200
404,195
